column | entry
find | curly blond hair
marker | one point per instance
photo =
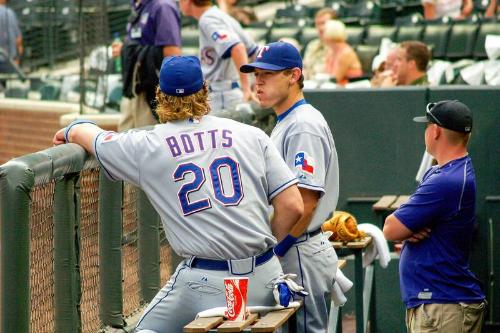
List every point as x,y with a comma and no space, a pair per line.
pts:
171,108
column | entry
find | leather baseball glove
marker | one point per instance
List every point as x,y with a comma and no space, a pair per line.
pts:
344,227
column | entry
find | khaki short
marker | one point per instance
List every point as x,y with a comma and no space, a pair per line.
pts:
135,113
449,318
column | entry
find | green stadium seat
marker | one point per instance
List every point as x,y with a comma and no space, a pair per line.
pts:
409,32
366,53
307,34
375,33
277,33
293,12
486,28
363,12
355,35
436,37
462,38
190,37
258,34
50,91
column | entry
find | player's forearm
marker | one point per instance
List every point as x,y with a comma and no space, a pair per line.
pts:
240,58
394,230
81,134
288,209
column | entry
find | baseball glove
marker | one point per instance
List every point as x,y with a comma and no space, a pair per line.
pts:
344,227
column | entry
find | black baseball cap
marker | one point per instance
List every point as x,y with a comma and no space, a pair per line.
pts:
452,115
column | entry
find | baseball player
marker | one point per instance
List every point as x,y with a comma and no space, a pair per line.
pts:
211,180
224,47
305,142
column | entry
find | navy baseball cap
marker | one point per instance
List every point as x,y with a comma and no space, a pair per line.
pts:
181,75
452,115
275,57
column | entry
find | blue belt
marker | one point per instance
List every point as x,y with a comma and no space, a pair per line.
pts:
234,85
222,265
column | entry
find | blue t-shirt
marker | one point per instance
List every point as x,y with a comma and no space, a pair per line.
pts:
436,269
158,23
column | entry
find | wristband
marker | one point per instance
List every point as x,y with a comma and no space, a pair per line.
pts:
282,247
73,123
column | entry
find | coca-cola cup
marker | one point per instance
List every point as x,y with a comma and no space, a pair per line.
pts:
236,297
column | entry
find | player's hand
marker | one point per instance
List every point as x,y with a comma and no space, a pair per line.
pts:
116,49
249,96
59,137
420,235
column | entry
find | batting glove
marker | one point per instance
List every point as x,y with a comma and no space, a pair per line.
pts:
285,289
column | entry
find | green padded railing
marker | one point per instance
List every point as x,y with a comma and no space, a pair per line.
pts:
49,187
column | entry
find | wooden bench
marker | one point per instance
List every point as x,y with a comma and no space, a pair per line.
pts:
386,205
270,322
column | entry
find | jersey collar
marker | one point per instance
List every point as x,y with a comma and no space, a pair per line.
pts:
287,112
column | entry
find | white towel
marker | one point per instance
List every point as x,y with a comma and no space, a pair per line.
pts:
378,247
220,311
340,287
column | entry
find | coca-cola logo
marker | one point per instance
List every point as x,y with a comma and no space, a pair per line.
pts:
234,300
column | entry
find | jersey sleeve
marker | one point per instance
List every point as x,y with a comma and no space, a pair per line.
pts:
221,36
116,152
429,203
167,26
278,176
308,155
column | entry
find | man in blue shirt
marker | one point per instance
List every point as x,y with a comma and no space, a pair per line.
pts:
153,32
437,224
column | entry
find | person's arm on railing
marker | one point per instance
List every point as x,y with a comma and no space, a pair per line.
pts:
81,132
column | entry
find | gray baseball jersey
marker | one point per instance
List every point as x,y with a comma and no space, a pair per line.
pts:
211,181
219,32
305,142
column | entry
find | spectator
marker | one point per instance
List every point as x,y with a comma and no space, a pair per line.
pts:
11,41
410,66
342,62
153,32
457,9
223,45
437,225
315,53
492,9
386,71
245,15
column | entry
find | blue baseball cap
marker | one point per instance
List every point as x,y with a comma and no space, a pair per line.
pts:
275,57
181,75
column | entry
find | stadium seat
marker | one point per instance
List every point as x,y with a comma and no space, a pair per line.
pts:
486,28
259,35
307,34
366,53
190,37
436,37
355,35
50,91
363,12
461,42
277,33
375,33
409,32
293,12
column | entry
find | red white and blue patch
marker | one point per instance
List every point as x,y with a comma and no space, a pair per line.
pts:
219,36
304,162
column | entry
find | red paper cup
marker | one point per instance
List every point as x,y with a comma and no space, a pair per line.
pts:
236,298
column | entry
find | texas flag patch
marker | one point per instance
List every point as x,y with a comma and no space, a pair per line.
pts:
110,136
219,36
304,162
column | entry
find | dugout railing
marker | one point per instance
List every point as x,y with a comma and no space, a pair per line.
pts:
79,253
